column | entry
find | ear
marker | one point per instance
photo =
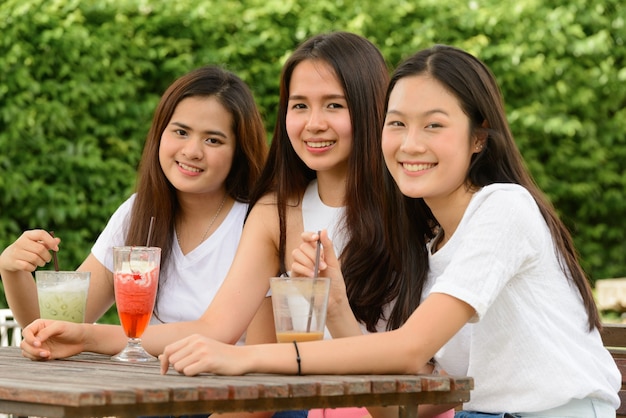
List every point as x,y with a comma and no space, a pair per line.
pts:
480,137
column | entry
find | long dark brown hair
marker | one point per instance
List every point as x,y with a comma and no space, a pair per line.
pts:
155,194
372,280
500,161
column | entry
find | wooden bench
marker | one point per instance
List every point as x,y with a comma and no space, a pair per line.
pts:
614,339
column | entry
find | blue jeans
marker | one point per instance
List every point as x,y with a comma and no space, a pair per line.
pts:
301,413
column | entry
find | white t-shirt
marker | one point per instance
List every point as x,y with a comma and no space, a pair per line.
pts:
189,282
527,348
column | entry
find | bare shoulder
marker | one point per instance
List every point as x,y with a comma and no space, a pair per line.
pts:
266,206
264,215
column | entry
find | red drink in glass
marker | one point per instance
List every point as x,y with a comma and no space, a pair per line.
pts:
134,296
135,278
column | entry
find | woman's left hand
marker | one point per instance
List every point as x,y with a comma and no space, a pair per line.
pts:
198,354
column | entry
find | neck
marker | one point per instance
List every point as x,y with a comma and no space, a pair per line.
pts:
199,217
449,211
198,207
332,189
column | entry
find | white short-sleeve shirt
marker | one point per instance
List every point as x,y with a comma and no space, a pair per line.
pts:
528,347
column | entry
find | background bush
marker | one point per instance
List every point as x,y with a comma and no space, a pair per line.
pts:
79,81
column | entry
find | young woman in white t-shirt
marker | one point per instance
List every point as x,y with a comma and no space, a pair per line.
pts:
204,151
504,299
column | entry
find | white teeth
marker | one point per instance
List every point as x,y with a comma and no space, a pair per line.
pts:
189,168
417,167
320,144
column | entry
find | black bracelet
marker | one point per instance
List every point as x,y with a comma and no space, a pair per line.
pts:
298,358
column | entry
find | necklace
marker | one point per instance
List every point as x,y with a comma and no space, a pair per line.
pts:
210,223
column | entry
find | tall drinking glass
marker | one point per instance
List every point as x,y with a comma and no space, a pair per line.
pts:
136,275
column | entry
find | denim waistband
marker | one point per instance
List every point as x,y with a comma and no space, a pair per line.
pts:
576,408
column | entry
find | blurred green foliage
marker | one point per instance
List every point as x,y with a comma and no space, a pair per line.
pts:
79,81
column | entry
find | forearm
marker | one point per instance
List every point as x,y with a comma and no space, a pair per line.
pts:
352,355
156,337
104,339
21,294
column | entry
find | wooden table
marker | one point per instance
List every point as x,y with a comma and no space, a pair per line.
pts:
93,385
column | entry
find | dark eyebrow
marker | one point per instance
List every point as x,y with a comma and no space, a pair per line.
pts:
327,97
218,133
427,113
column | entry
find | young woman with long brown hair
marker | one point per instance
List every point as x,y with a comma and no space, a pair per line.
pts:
205,149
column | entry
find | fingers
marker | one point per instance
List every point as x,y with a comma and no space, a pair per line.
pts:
165,363
29,251
169,351
43,238
31,343
304,256
184,356
304,262
329,250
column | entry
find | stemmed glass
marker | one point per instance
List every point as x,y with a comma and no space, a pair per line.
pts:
136,275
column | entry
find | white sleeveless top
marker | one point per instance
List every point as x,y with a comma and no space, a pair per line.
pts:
317,216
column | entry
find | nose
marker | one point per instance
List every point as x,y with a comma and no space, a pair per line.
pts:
412,142
193,149
317,121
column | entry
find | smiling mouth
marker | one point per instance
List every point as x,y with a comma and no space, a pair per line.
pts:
188,167
320,144
417,167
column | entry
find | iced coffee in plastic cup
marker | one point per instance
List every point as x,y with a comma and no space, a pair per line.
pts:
299,305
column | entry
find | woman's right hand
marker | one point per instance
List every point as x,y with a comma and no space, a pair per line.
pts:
329,266
29,251
46,339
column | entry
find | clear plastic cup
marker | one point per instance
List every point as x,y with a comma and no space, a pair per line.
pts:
62,294
299,305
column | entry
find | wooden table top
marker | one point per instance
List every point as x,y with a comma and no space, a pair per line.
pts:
93,385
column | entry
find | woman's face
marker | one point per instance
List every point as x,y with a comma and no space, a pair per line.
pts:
426,140
197,146
318,119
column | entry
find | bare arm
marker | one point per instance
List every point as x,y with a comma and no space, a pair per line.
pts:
404,351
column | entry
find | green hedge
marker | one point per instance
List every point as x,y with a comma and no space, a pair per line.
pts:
79,81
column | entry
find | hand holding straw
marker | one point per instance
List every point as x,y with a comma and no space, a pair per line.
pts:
54,255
